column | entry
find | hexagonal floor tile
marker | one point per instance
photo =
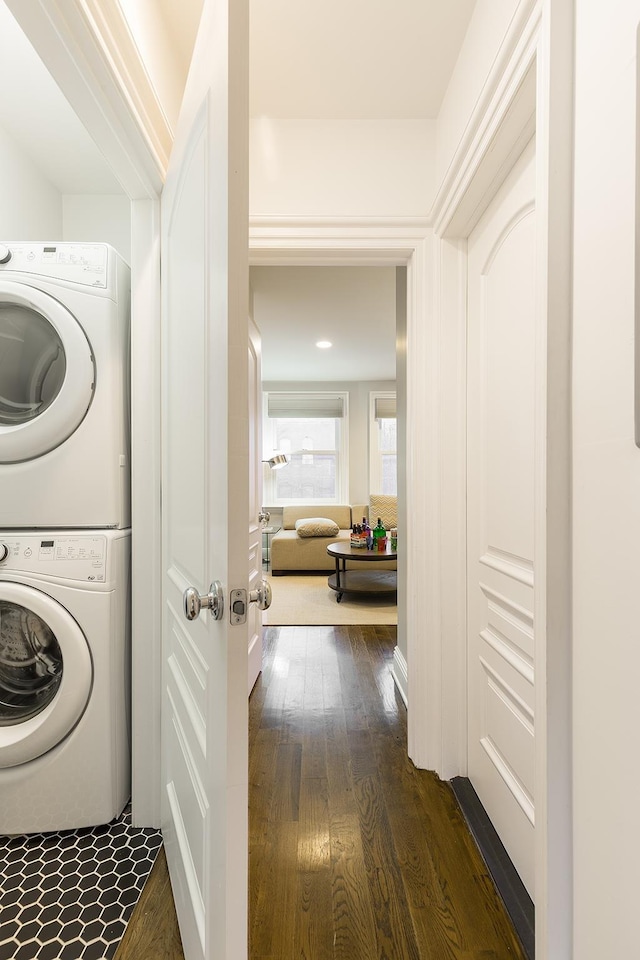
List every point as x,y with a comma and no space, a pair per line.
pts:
69,895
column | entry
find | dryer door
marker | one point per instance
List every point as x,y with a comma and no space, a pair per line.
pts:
45,673
47,374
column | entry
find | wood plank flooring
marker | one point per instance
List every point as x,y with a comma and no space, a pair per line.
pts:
152,932
354,853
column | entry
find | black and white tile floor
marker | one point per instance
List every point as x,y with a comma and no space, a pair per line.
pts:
68,896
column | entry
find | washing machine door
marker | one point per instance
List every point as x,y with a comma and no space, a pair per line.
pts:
47,374
45,673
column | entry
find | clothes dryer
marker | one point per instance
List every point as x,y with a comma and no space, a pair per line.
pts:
64,386
64,679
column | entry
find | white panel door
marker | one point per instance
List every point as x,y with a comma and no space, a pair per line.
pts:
500,521
255,499
205,491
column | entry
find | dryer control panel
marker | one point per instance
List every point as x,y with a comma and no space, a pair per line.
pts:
73,557
83,263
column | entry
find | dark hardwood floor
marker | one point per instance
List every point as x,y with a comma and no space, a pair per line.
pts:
354,853
152,932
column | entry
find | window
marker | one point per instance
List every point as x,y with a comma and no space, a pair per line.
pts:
311,429
383,459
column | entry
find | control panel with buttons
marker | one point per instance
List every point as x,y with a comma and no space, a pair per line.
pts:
84,263
67,557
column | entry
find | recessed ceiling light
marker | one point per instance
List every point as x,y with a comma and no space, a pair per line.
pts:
324,344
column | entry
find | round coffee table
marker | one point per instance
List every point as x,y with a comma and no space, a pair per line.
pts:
368,580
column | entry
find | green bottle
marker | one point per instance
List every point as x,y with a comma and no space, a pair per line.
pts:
379,530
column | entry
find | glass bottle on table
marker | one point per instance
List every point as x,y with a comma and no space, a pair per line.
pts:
366,533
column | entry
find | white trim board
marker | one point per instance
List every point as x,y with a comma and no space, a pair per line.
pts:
400,674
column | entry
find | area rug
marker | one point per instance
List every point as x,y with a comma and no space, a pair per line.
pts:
306,600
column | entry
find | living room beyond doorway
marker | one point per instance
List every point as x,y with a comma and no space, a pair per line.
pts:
354,309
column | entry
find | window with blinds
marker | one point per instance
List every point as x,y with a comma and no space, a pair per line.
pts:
383,458
311,429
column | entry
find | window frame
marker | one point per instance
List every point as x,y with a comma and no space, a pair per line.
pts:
376,453
341,452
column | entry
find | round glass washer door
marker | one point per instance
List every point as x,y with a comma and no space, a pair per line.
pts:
46,673
47,373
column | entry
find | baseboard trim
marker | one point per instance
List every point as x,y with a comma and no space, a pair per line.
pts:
400,674
517,901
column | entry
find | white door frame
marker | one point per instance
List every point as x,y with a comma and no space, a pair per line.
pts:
535,59
280,242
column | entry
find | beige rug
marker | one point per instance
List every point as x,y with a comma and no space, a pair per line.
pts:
307,600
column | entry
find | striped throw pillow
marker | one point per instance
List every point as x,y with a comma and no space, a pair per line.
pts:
385,507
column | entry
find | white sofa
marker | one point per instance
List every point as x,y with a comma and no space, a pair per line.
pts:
291,553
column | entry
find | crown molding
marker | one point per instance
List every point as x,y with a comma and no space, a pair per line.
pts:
502,122
111,30
335,240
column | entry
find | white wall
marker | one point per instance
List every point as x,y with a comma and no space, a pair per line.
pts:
358,424
485,33
30,206
97,218
346,168
606,467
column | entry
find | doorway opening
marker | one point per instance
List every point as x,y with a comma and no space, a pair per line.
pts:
333,459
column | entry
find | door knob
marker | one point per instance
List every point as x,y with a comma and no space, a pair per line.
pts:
238,599
262,595
213,601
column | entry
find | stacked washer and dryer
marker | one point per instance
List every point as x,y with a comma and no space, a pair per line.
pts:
65,542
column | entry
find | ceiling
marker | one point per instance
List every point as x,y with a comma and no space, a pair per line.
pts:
353,59
339,59
354,308
342,59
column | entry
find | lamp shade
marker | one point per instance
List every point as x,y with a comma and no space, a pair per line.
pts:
277,461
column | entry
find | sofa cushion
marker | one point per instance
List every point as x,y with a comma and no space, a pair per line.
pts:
340,514
385,507
290,552
317,527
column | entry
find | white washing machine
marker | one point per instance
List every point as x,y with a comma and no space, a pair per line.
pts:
64,386
65,759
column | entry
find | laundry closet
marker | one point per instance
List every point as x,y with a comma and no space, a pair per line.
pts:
65,512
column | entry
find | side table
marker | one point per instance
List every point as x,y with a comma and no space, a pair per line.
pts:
268,532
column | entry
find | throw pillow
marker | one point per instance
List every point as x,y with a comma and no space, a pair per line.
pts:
385,507
317,527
